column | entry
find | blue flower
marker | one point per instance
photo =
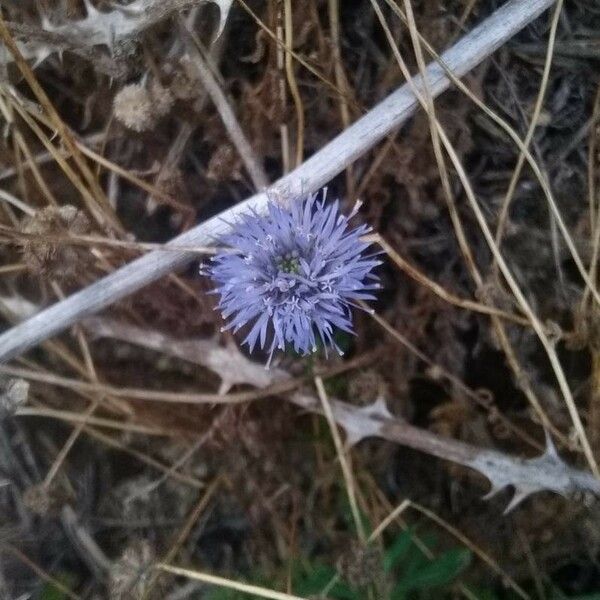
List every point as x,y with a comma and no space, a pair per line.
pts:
293,275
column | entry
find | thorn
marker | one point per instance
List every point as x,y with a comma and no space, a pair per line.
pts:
550,447
90,8
520,495
46,23
353,437
41,55
495,489
378,409
224,387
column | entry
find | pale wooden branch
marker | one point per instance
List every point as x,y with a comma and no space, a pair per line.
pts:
313,174
547,472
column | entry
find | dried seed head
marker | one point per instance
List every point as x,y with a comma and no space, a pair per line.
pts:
360,565
134,108
46,501
132,574
13,393
51,257
366,386
129,52
185,84
162,98
586,331
224,163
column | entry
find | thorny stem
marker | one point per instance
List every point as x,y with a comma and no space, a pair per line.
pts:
547,472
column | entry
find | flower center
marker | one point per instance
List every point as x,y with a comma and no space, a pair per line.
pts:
289,263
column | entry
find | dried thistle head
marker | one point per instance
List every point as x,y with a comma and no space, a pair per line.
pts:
132,576
46,500
360,565
294,275
366,386
51,257
185,84
162,98
134,108
13,393
224,163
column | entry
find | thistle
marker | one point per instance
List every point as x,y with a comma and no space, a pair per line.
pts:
293,275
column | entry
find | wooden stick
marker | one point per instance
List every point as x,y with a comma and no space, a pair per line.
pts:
313,174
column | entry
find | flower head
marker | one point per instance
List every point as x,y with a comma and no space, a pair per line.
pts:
294,275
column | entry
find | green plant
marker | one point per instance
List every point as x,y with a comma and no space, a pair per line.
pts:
403,571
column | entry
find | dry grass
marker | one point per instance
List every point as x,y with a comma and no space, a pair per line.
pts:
485,205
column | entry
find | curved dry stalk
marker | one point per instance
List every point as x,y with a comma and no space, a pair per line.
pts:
539,102
203,70
73,417
438,138
448,70
344,463
291,79
526,308
441,292
463,539
308,177
97,201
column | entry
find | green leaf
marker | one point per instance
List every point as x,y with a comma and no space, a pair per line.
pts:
318,577
51,592
441,571
313,580
416,558
397,551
